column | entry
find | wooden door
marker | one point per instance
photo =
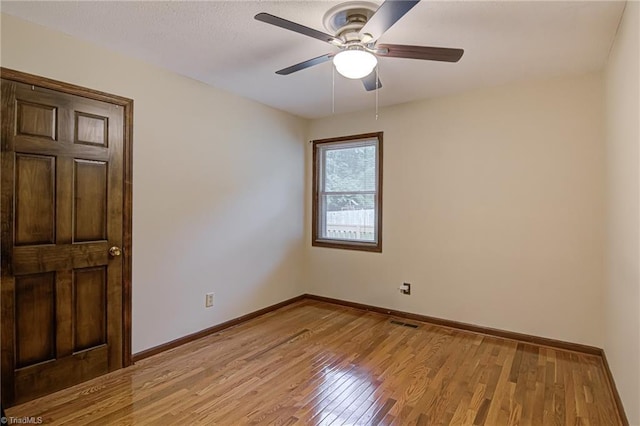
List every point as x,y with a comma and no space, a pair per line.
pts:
62,239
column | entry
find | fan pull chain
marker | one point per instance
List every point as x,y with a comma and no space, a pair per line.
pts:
333,90
377,88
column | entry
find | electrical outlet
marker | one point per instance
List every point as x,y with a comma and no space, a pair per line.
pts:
208,301
405,288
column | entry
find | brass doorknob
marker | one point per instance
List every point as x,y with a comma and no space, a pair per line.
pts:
115,251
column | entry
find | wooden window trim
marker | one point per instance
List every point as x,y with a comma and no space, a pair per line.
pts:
316,241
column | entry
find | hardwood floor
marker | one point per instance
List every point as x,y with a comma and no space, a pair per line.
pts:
313,363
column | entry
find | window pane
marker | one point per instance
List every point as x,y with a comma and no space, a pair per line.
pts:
350,169
347,202
349,217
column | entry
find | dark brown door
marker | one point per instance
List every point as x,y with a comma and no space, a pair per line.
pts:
62,235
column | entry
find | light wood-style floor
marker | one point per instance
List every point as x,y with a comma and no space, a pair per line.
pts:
312,363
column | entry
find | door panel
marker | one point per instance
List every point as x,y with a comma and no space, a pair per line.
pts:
62,209
90,307
35,183
35,119
91,129
90,201
35,319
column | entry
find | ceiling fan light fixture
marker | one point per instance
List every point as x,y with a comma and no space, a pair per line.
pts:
355,63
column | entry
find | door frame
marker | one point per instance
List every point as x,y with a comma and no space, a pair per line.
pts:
127,225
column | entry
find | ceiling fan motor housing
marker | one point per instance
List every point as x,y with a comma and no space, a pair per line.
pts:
347,19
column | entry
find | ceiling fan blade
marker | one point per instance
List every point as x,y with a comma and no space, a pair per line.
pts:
305,64
300,29
443,54
370,82
387,14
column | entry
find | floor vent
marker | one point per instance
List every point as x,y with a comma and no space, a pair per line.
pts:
404,324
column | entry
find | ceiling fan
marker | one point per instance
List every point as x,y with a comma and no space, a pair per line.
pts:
357,26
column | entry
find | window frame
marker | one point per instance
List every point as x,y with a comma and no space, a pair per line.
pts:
316,239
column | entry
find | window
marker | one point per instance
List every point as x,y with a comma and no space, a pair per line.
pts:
347,192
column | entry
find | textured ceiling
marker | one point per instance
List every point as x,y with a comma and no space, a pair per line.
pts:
221,44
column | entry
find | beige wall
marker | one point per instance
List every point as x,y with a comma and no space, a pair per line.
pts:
622,283
218,186
493,210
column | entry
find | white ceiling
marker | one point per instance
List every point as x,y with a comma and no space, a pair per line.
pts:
221,44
